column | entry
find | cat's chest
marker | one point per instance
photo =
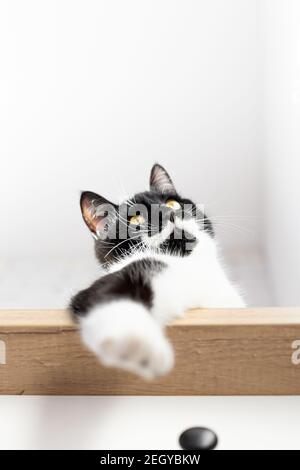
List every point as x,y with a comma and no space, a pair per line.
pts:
184,275
182,284
189,271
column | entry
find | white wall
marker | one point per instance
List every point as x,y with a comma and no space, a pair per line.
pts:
93,92
282,146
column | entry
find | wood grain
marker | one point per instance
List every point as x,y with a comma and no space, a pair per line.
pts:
218,352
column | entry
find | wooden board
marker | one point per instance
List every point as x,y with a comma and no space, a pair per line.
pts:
218,352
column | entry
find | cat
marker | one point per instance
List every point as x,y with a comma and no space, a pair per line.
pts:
160,258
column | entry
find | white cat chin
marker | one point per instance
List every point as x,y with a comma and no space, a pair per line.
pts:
123,334
188,225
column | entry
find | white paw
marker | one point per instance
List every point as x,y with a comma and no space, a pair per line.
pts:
123,334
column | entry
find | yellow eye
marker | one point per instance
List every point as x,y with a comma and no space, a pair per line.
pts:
172,204
137,220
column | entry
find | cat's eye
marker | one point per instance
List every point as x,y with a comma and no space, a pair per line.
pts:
136,220
172,204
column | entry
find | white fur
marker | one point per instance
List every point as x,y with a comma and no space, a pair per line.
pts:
194,281
123,334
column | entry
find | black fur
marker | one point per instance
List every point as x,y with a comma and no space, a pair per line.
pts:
132,282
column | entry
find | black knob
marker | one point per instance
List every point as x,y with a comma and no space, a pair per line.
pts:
198,439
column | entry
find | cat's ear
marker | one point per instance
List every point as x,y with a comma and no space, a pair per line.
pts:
160,180
97,212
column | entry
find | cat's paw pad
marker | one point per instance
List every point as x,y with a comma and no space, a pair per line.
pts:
124,334
149,357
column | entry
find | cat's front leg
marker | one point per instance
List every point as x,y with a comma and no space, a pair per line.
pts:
123,334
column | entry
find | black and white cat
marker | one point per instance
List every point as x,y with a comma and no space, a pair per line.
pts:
160,259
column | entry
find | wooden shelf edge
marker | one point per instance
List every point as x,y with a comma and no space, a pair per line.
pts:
218,352
60,320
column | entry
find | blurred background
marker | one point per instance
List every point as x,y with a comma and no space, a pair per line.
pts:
93,93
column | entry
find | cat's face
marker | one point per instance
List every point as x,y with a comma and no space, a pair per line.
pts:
158,219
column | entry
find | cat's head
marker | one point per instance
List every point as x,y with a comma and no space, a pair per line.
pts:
158,219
